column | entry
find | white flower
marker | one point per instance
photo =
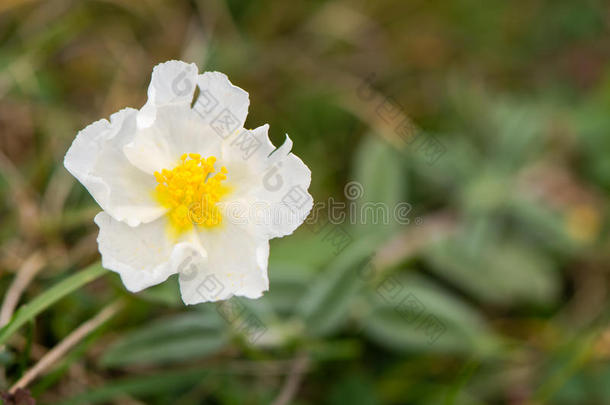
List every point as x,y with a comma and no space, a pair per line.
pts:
177,181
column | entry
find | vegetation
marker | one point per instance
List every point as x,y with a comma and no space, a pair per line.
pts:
491,287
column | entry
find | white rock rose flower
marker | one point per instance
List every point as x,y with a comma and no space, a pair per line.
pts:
185,189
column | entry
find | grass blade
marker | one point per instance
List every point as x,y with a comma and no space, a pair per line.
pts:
49,297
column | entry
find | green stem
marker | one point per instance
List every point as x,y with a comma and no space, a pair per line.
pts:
49,297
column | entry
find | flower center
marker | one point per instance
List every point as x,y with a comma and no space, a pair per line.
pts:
191,191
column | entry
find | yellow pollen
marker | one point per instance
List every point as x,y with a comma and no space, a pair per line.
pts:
191,191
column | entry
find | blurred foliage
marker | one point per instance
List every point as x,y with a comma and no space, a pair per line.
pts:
506,249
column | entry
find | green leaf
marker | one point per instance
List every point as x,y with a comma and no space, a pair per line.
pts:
411,314
380,188
48,298
167,293
501,272
325,305
333,350
353,389
520,134
169,340
544,225
297,249
172,381
288,283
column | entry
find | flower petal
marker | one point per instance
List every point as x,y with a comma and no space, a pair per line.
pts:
176,130
172,82
169,127
221,104
97,161
236,265
272,179
143,255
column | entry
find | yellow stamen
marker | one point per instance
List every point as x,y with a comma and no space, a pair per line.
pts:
191,191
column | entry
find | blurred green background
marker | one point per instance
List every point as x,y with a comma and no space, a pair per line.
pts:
495,292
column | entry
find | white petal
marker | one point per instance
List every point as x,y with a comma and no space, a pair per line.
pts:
236,265
269,178
144,255
288,196
170,127
172,82
221,104
97,161
176,130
